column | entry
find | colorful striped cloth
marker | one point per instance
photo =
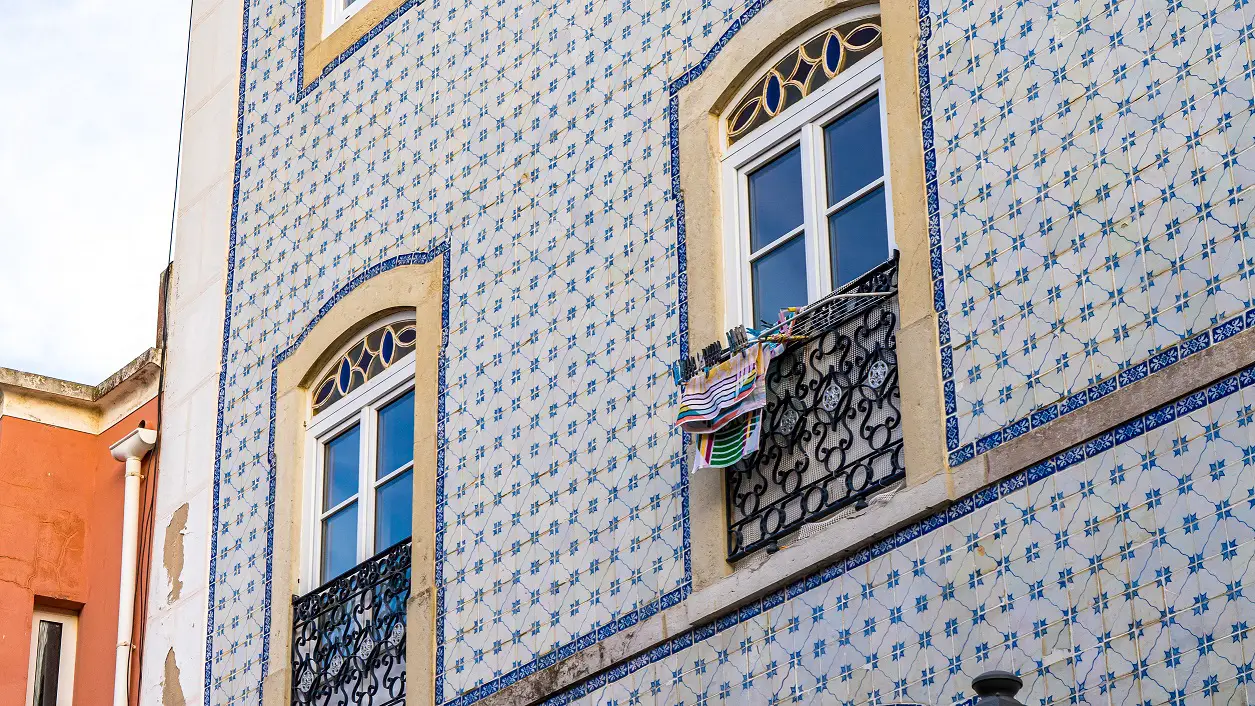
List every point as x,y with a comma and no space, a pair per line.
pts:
723,408
730,444
709,401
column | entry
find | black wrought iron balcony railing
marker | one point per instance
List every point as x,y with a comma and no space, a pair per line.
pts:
348,636
832,428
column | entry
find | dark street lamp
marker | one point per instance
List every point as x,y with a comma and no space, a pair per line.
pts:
997,688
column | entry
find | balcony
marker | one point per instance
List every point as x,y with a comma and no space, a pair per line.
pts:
832,427
348,636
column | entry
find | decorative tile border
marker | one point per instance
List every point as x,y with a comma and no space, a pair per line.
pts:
962,453
222,390
304,90
961,508
1124,378
589,638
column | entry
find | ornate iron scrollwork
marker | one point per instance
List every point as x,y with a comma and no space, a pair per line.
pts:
348,637
832,428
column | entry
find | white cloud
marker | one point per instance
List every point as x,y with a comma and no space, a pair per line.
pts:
91,91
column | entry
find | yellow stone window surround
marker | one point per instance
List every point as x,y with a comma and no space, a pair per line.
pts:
325,39
704,104
416,289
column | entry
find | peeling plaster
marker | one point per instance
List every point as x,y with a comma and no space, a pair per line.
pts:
172,559
171,689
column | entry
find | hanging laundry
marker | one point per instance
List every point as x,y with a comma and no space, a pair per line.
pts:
711,400
723,407
727,446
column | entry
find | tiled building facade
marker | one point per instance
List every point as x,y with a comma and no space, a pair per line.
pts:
1093,178
1070,199
1115,572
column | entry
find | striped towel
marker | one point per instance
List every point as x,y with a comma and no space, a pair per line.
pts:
709,401
724,409
730,444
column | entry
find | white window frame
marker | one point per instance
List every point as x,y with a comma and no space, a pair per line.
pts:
802,123
336,14
69,644
359,407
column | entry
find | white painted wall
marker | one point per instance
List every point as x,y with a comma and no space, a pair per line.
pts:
195,314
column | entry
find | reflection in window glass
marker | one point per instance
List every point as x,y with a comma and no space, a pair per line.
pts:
394,511
342,465
47,663
339,542
779,280
775,198
859,237
396,435
858,227
852,151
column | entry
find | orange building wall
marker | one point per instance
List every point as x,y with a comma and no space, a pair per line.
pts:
61,496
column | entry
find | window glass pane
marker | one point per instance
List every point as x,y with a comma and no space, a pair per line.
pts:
339,542
859,235
394,510
852,151
340,479
396,435
775,198
47,663
779,280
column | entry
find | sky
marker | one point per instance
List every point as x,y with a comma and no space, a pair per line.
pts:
90,93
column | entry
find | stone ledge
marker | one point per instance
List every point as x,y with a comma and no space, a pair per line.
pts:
73,405
755,577
76,392
1177,380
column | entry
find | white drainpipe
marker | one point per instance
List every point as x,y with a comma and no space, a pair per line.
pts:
132,448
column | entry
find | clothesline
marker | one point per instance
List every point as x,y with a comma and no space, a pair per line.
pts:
802,326
722,404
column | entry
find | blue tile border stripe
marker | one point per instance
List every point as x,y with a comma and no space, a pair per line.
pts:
303,89
1122,379
589,638
222,389
960,453
962,507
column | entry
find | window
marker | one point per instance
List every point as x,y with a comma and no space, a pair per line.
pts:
807,205
359,496
50,677
338,11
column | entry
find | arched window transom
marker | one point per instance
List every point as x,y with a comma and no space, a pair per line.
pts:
373,354
803,70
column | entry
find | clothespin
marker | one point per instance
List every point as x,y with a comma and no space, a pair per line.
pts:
737,338
712,354
683,369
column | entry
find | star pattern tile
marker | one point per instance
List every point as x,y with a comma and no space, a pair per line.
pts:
1090,206
528,144
1117,572
1091,174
